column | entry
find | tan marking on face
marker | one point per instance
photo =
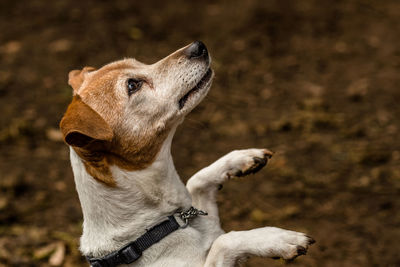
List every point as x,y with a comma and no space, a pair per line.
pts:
141,122
129,151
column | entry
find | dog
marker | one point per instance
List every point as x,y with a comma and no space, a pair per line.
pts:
136,210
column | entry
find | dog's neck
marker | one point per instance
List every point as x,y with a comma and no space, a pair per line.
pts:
114,216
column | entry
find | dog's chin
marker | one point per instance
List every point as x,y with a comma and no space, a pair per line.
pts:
192,98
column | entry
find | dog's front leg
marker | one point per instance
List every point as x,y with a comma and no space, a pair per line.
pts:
269,242
204,185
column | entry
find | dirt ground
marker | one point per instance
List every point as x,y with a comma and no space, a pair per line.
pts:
314,81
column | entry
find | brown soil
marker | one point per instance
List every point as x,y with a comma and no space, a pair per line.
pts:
314,81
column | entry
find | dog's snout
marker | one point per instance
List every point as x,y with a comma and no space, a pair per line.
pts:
196,50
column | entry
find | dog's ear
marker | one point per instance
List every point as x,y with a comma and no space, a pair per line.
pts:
82,125
76,77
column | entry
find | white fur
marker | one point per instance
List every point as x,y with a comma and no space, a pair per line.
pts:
115,216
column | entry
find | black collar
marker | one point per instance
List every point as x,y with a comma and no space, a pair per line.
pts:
132,251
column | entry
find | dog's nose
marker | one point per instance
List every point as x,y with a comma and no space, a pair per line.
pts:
196,49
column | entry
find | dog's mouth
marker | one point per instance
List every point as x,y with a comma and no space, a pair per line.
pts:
200,85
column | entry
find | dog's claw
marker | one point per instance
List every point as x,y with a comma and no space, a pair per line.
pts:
268,153
301,250
239,174
310,240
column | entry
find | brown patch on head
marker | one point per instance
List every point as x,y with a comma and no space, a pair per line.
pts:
82,125
94,125
100,94
85,130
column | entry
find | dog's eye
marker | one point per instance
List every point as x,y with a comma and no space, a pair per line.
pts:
133,86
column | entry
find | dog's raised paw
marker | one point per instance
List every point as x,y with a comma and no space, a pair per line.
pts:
292,251
245,162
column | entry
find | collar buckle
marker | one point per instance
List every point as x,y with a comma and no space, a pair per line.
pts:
191,213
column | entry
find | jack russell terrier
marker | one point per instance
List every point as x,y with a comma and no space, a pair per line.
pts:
137,211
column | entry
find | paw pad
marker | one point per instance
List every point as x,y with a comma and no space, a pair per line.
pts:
249,161
258,164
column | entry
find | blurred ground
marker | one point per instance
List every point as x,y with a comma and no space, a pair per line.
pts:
314,81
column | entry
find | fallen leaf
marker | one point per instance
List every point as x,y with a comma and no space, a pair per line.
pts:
44,252
135,33
11,47
54,135
358,89
58,256
60,45
3,202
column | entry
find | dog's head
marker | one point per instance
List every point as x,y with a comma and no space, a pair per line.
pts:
122,113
